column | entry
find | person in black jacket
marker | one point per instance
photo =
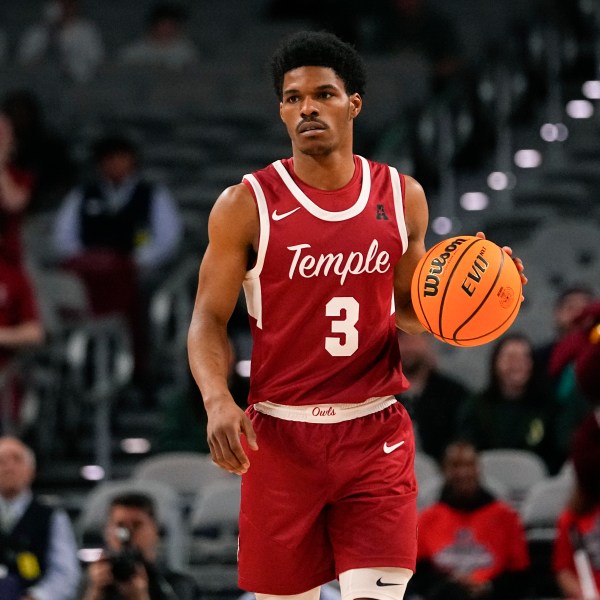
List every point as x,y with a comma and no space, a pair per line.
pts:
129,567
434,399
38,551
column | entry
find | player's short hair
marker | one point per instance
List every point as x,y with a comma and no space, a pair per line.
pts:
319,49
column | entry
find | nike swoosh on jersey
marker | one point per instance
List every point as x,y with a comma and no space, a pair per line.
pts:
387,449
277,216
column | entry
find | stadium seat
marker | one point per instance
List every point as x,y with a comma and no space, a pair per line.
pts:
426,467
213,524
187,473
519,470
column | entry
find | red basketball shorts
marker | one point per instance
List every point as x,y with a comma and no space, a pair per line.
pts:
322,498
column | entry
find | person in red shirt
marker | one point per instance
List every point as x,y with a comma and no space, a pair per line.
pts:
471,545
20,327
15,192
579,523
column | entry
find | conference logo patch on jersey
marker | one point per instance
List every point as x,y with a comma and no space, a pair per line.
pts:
380,215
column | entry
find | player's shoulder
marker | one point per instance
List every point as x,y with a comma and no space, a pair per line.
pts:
234,204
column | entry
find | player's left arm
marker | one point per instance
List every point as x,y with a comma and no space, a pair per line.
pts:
416,214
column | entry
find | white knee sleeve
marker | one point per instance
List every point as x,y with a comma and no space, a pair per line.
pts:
310,595
382,583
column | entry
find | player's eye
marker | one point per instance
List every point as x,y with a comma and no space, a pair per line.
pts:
292,99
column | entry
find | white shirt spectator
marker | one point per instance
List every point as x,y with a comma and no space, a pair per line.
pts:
76,43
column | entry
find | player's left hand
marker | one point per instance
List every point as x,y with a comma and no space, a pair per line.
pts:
518,262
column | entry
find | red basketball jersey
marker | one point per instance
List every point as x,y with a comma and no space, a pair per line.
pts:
320,296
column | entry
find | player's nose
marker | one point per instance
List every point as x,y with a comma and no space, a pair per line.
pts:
308,107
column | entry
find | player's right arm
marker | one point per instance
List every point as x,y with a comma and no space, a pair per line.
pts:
233,230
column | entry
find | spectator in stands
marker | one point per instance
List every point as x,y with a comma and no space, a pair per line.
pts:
39,151
579,524
434,399
15,193
165,43
516,409
116,231
120,212
132,528
20,328
556,358
567,308
471,545
38,546
65,39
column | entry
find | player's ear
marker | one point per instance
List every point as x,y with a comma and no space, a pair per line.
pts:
355,105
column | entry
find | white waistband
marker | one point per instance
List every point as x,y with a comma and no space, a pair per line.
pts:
325,413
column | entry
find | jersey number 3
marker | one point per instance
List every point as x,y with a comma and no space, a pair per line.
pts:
346,307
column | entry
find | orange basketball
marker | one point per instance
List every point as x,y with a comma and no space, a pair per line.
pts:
466,291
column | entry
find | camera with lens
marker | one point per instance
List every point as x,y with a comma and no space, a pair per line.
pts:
127,559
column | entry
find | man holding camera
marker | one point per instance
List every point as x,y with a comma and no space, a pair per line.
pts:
128,569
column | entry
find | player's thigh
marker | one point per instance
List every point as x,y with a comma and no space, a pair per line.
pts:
283,543
378,583
373,520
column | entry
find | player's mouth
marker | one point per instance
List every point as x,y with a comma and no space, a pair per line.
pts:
311,126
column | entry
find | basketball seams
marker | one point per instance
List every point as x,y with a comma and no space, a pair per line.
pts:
451,274
500,326
484,299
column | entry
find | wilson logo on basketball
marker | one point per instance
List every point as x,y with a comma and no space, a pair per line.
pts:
432,281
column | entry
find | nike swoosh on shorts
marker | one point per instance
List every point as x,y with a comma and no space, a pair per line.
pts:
387,449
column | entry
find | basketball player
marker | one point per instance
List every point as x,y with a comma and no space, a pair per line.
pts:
324,244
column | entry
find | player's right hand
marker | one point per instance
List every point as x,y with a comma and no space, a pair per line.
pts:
226,423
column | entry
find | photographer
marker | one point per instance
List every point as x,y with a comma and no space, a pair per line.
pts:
128,568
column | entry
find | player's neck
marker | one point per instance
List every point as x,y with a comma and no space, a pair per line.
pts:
330,172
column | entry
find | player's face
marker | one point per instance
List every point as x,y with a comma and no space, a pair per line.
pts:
317,111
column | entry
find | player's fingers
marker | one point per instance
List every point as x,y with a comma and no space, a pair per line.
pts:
218,456
480,235
234,454
249,432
